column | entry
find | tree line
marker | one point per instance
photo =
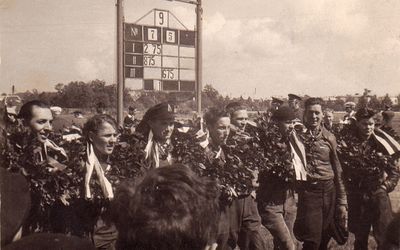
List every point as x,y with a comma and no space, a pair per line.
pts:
85,95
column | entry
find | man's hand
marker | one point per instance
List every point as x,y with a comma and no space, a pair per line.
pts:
342,216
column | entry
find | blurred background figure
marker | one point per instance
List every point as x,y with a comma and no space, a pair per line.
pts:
171,208
349,117
328,119
294,104
130,121
56,110
101,108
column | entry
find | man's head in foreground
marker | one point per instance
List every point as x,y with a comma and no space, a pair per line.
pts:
170,208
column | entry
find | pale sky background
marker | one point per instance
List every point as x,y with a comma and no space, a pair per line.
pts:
314,47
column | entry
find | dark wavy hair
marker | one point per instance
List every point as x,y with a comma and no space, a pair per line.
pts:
214,114
170,208
232,107
25,113
313,101
95,122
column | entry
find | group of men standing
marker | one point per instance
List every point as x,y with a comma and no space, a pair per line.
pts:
288,173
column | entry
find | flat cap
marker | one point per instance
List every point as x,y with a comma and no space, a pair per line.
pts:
284,113
364,113
277,100
294,97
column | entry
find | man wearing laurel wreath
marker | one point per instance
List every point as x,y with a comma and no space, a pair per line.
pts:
42,161
275,195
322,194
242,131
370,159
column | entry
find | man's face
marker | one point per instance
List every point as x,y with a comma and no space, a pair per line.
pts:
162,129
366,127
41,121
285,127
220,130
328,117
348,109
313,116
294,104
239,118
132,112
105,139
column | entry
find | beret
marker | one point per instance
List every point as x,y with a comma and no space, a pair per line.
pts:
294,97
161,111
364,113
284,113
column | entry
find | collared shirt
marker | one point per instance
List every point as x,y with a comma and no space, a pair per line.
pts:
321,151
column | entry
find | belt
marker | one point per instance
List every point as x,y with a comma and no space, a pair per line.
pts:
315,184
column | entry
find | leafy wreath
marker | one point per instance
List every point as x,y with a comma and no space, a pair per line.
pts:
278,154
235,174
361,165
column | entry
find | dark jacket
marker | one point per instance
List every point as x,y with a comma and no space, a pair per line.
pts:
336,166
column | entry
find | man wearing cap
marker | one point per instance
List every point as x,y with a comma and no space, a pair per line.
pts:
156,130
370,160
276,103
275,196
349,116
294,104
130,120
322,194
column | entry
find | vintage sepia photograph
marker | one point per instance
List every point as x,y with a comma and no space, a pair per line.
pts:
199,124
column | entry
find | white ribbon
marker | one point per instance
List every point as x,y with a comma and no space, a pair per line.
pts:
299,161
94,164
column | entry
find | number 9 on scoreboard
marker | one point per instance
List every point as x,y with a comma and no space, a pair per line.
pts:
161,18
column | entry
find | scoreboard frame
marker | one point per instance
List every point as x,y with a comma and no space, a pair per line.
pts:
160,54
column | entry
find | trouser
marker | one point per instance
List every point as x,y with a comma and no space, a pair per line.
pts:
366,210
315,212
240,224
278,216
104,235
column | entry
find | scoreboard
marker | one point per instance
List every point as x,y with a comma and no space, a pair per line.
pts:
164,58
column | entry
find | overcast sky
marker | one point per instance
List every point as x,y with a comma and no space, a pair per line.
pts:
260,48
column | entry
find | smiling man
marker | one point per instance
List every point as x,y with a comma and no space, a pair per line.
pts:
371,168
323,192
